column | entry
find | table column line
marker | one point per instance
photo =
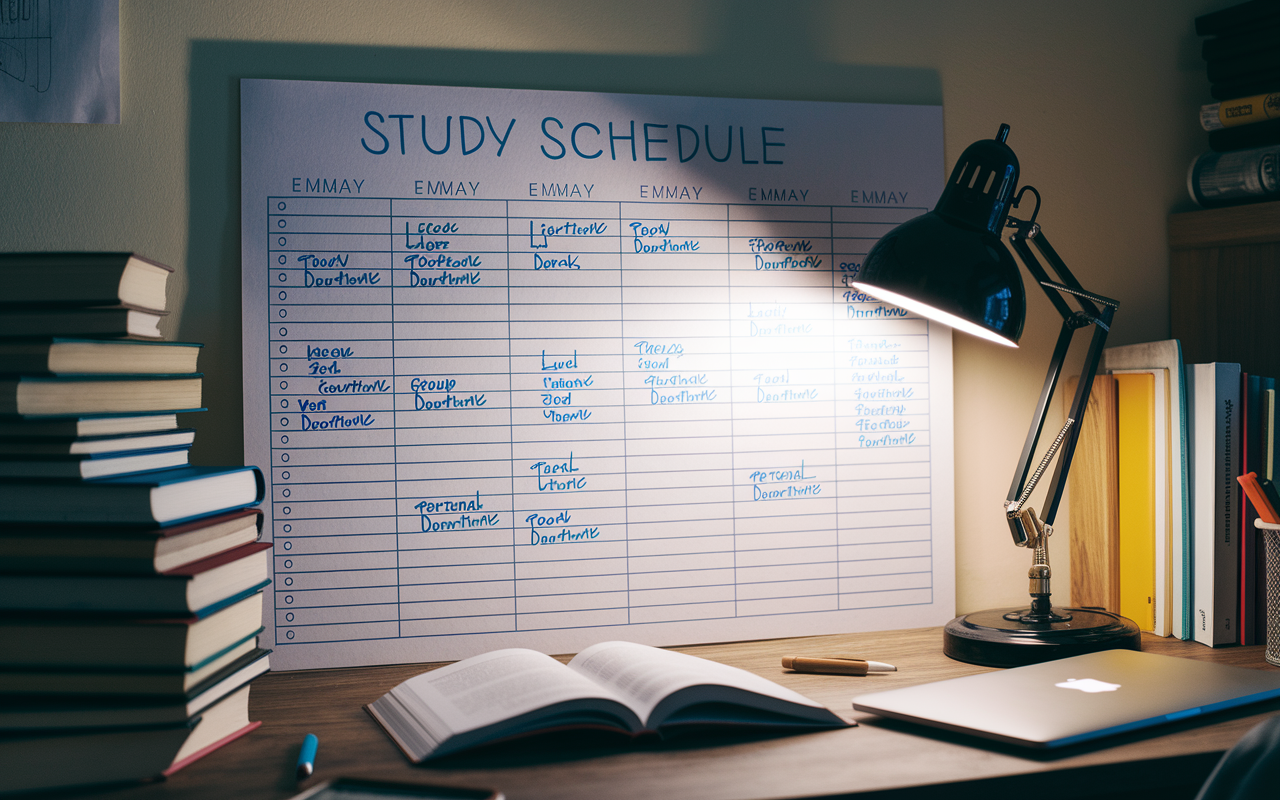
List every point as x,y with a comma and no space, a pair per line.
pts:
835,392
622,371
733,433
511,425
395,426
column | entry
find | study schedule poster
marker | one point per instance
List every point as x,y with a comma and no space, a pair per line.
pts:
541,369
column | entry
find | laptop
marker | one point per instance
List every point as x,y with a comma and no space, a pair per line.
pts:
1072,700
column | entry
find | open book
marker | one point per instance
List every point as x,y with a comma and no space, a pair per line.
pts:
622,686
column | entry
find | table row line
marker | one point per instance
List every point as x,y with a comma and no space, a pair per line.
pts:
694,469
674,538
462,208
659,555
384,283
701,433
641,506
656,522
679,609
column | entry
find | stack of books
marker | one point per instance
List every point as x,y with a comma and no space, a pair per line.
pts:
1242,59
130,583
1162,529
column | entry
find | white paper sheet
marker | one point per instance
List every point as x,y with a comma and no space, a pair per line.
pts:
60,61
539,369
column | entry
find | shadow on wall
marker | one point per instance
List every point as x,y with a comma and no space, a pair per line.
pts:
765,62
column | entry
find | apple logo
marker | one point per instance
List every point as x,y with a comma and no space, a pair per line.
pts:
1089,685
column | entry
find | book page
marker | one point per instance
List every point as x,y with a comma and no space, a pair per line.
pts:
644,676
496,686
540,369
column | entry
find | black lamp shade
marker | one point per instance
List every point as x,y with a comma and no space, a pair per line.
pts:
964,278
950,264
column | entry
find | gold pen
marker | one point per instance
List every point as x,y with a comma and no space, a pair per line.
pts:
835,665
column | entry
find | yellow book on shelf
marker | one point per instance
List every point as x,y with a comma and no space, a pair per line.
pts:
1136,467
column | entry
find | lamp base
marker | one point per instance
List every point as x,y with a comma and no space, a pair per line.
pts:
999,638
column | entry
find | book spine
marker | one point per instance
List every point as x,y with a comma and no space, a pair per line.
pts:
1245,110
1226,539
1249,386
1182,547
1136,471
1243,66
1246,137
1219,179
1235,18
1215,421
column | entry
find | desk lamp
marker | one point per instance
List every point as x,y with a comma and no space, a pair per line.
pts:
951,265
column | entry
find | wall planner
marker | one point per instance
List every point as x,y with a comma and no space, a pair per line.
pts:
542,369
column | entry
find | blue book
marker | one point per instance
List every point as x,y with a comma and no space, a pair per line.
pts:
151,498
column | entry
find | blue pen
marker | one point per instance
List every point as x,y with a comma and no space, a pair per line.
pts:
307,756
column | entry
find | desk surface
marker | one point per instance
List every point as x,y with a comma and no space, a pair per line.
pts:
878,756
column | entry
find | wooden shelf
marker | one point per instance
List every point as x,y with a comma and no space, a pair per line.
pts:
1224,286
1256,223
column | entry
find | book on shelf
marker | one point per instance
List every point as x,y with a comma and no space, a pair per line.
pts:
124,549
1254,83
1245,137
1246,40
83,279
1093,501
1213,391
236,666
1240,111
1239,176
88,426
100,642
1243,65
83,322
1250,419
1238,18
1164,358
51,760
88,466
630,689
1142,466
68,356
199,588
98,394
161,498
47,446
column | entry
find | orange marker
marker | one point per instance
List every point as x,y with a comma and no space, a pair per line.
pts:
1266,512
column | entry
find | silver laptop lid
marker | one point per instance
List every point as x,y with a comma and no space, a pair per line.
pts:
1072,700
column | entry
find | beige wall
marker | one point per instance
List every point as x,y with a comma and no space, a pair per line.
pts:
1101,96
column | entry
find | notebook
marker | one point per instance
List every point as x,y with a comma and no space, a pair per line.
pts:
1073,700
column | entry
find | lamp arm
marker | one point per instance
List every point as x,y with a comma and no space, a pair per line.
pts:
1095,310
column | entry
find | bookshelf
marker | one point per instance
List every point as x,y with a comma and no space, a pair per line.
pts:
1224,285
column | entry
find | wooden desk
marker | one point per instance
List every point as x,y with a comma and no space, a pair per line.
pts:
878,759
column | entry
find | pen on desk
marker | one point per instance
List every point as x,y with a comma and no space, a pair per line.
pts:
307,756
835,665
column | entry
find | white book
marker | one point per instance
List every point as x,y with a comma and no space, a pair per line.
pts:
621,686
1214,394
